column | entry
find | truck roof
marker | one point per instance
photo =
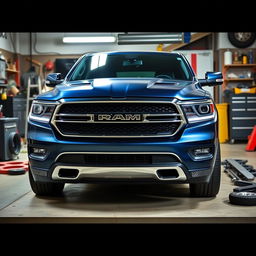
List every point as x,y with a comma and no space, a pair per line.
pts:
131,52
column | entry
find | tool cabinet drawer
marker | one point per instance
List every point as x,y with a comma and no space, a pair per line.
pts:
240,133
242,115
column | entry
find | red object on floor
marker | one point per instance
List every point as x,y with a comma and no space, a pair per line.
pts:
10,165
251,145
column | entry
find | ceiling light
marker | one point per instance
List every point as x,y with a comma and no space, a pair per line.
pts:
90,39
150,38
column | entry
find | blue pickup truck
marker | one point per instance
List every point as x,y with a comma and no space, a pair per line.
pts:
136,117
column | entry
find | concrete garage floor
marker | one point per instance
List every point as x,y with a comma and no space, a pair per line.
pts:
95,203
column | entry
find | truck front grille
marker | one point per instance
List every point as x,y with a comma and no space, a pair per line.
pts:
117,119
115,159
145,108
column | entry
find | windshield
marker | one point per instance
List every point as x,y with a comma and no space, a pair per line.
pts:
131,65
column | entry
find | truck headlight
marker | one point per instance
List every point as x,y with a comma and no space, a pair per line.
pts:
198,111
41,111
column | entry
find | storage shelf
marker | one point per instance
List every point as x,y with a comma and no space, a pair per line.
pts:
227,80
12,70
238,79
240,65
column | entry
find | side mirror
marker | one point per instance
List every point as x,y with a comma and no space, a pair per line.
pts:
53,79
211,79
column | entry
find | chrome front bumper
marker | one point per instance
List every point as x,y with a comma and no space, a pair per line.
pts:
80,172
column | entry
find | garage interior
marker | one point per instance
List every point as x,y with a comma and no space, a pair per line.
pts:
29,57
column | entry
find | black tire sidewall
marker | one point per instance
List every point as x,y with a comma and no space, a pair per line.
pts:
216,174
14,143
239,44
45,188
32,181
16,171
211,188
239,199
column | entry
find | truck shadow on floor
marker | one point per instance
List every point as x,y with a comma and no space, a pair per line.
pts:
127,198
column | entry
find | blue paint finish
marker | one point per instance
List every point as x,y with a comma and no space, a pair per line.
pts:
214,75
124,88
192,135
191,138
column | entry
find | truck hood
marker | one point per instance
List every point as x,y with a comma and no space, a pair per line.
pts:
125,88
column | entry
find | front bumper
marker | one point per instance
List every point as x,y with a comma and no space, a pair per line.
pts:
189,170
90,173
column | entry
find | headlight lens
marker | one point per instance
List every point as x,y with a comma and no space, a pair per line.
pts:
41,111
199,111
37,109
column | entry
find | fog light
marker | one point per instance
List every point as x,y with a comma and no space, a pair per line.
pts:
39,151
202,151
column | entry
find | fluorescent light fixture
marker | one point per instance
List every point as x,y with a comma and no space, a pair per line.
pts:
90,39
150,38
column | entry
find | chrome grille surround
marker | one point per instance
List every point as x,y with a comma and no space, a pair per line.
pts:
147,118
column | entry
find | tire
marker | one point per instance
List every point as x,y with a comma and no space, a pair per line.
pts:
45,188
14,143
242,43
16,171
211,188
243,198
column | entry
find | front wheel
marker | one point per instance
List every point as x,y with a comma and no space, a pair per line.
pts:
211,188
45,188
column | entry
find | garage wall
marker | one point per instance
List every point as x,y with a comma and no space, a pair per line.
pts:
10,49
6,43
51,44
25,64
